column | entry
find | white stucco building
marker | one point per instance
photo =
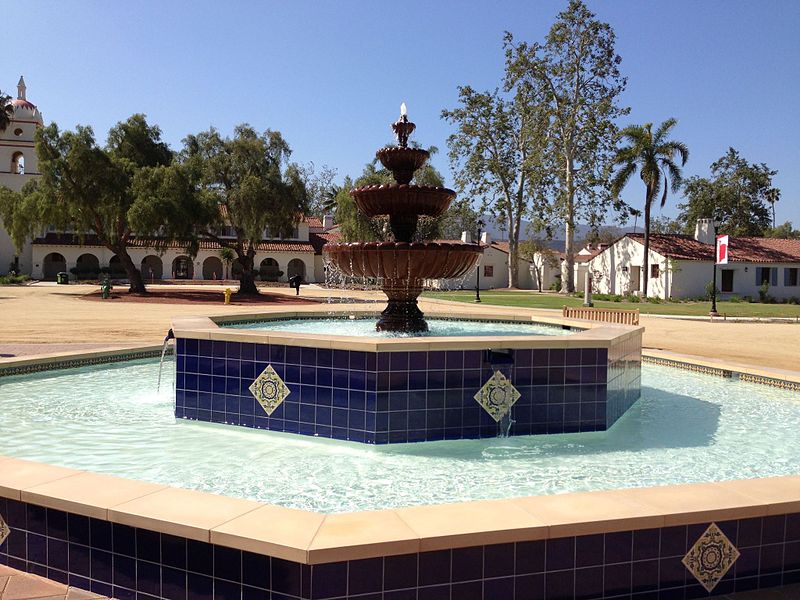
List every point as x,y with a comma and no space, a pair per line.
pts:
492,268
18,165
681,266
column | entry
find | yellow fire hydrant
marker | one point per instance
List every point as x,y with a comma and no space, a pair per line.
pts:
227,295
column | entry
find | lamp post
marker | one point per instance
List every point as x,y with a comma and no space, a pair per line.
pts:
713,312
480,264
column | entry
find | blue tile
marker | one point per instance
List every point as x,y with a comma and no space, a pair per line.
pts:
324,357
365,576
255,570
398,361
293,355
79,560
328,580
173,551
277,354
78,529
199,587
341,359
173,584
227,564
102,565
57,553
285,577
56,524
308,356
199,557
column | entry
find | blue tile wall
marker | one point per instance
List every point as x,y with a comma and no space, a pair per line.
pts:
399,397
138,564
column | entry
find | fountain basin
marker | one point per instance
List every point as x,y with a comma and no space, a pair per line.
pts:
401,265
407,389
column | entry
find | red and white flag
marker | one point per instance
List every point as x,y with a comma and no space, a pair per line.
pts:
722,249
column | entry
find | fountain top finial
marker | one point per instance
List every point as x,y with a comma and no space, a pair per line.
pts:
403,127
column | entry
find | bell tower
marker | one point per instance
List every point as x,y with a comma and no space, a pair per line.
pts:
18,165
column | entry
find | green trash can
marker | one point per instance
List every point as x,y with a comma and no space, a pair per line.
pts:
62,278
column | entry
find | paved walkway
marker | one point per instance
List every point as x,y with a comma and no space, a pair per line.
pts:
16,585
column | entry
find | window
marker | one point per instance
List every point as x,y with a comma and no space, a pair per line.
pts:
727,280
766,275
488,270
791,276
18,132
655,271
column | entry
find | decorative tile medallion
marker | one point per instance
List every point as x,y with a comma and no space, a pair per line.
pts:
711,557
497,396
269,390
4,531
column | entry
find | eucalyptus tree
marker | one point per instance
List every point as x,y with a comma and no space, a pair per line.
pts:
655,158
90,189
498,156
576,69
6,111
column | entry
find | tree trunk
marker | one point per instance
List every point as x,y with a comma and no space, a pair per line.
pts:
646,260
568,270
133,273
247,280
513,254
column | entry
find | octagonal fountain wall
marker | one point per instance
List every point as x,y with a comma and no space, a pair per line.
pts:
413,389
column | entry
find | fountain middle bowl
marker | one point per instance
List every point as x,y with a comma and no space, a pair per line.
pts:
402,200
414,261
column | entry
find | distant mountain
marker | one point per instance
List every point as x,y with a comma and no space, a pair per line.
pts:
498,231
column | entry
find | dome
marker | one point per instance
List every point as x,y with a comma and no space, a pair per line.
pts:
24,110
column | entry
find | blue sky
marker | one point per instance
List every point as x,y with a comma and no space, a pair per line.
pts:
331,75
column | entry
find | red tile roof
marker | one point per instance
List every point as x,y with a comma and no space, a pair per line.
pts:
318,240
741,249
68,239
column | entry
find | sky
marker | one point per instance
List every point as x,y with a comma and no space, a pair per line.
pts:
330,76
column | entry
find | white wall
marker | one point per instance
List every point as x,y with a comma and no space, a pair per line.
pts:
612,270
498,260
71,254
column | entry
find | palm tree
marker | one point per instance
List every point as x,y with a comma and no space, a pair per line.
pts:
6,111
653,155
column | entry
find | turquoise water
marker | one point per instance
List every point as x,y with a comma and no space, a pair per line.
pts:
109,419
438,328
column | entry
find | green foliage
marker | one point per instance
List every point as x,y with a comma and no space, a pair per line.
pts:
244,182
497,155
85,187
736,196
785,231
14,279
655,158
665,225
764,295
319,187
711,289
6,111
574,79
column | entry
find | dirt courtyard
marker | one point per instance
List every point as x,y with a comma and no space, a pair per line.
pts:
45,318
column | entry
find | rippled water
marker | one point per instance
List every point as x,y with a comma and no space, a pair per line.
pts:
437,328
109,419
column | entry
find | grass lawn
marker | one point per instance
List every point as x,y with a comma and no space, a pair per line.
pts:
536,300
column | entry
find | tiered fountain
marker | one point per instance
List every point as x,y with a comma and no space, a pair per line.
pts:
401,266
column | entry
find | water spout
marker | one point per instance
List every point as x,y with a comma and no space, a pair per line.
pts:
170,336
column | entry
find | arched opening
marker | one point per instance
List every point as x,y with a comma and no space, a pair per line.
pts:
53,264
115,268
152,267
182,268
212,268
269,271
296,267
18,163
87,267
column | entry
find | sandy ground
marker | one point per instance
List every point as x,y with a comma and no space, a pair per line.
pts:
49,314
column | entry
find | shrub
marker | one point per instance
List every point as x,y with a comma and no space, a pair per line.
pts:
654,300
735,299
13,279
632,298
763,294
556,285
710,289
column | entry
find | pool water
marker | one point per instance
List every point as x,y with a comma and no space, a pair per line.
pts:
109,419
437,328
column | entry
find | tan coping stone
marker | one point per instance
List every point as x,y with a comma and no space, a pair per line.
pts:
88,494
587,513
695,503
17,474
781,495
274,530
26,587
353,536
40,359
465,524
725,365
181,512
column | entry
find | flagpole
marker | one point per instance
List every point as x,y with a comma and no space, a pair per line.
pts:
714,312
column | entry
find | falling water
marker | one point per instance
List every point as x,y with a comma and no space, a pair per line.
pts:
504,426
170,336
